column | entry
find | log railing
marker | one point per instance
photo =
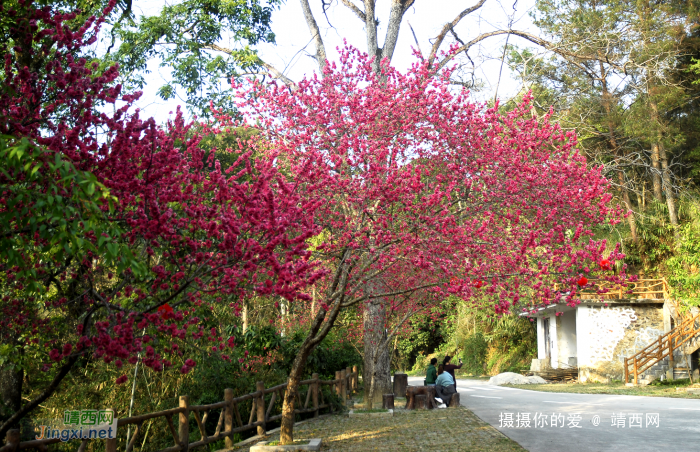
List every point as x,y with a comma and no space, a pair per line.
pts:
662,347
642,288
230,421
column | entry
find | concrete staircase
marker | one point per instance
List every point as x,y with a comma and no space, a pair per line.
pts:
660,369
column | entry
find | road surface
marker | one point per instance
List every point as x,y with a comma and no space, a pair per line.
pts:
546,421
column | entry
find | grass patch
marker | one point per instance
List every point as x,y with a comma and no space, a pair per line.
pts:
370,410
452,429
660,389
297,442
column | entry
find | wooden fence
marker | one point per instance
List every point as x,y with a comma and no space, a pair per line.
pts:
639,289
230,421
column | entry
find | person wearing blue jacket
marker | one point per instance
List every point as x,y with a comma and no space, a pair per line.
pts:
444,385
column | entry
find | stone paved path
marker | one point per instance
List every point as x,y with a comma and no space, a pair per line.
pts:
445,430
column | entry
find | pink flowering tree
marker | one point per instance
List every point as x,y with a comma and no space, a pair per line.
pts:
423,194
118,236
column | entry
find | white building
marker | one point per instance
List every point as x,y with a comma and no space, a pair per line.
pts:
597,335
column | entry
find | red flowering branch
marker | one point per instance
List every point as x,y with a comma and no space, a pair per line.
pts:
428,194
171,235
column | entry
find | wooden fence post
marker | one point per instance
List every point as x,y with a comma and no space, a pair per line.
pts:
670,355
314,393
348,381
344,387
260,386
228,416
12,438
337,383
111,444
354,378
184,424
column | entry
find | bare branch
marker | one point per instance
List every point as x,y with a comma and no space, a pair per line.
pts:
277,74
415,38
449,26
315,34
570,57
286,80
358,12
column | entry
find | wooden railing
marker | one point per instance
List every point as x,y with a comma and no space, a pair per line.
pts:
663,347
229,422
600,289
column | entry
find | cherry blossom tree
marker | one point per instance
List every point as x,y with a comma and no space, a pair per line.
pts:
424,194
119,235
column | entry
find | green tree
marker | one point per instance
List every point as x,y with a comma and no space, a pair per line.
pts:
609,79
187,37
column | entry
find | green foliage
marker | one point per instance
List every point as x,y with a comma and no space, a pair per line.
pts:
427,333
50,209
332,354
683,267
474,352
485,344
257,340
227,145
187,37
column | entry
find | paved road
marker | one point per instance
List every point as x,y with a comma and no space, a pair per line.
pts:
678,419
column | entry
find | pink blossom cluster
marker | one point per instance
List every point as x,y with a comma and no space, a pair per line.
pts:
204,235
425,191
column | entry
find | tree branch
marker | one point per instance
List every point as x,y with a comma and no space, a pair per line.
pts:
371,32
415,38
358,12
449,26
570,57
315,34
277,74
50,389
398,9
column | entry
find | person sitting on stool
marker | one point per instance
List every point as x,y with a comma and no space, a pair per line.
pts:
444,385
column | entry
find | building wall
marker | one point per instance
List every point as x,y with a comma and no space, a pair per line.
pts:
554,346
540,338
553,339
566,337
606,335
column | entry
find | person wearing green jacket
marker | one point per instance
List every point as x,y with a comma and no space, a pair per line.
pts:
431,374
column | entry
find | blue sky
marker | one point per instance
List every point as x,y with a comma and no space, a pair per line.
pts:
293,47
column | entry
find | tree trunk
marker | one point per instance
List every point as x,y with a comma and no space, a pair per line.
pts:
244,316
668,187
607,105
10,392
314,337
371,34
290,395
376,372
656,172
628,202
